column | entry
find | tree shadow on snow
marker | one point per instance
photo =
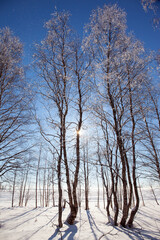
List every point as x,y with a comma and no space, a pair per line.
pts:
143,213
40,228
69,232
102,212
31,218
93,225
137,233
20,215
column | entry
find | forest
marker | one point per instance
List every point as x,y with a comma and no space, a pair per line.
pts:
88,122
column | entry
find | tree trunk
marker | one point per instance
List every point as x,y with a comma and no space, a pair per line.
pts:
122,155
97,187
125,199
53,198
116,208
14,184
59,180
73,195
21,192
154,195
24,189
73,213
36,195
135,209
115,192
40,192
74,204
104,203
141,193
86,183
47,190
27,196
79,196
44,185
59,197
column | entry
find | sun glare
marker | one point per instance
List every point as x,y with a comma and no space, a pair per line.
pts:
80,132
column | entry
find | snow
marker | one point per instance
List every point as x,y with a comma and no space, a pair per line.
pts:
22,223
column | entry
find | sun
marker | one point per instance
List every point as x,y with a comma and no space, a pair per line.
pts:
80,132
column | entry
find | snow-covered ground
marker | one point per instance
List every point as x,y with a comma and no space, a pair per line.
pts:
22,223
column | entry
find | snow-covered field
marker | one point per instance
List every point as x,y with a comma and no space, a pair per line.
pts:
22,223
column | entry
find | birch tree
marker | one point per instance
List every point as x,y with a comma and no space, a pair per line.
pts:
60,65
81,88
106,34
14,103
120,67
150,133
52,57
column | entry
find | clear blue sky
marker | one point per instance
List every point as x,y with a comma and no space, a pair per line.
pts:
27,17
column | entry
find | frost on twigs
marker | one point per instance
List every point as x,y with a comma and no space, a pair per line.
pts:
14,99
152,5
148,4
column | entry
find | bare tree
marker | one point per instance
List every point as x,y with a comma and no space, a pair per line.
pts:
51,59
120,72
80,74
108,34
14,103
109,171
61,65
151,129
